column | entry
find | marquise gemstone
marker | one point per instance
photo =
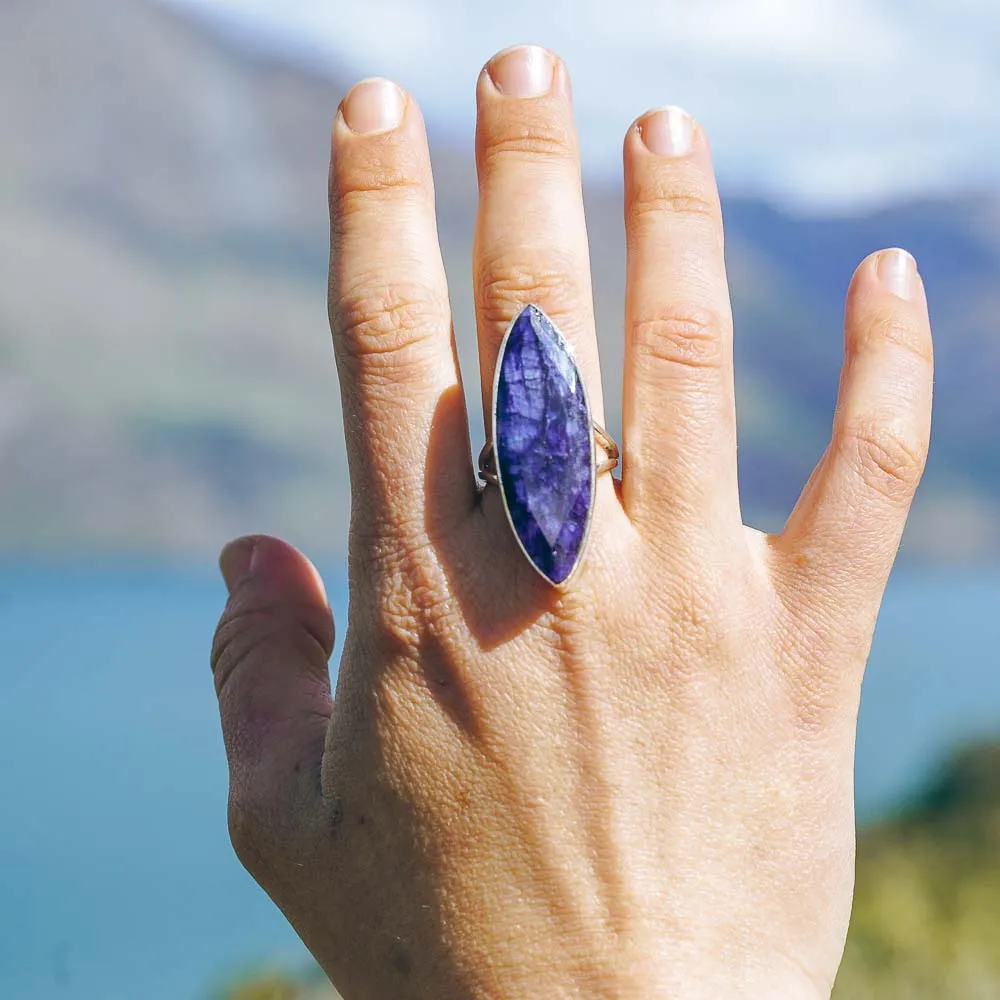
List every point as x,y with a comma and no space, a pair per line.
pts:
544,444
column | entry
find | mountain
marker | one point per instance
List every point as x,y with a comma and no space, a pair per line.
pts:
166,377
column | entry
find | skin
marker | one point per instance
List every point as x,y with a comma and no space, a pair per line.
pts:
640,786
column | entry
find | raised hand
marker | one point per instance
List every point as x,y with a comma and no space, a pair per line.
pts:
637,785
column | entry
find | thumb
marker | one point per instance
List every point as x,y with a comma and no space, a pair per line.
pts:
270,662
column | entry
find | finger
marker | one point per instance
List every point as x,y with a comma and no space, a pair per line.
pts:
391,320
269,660
531,238
845,530
679,401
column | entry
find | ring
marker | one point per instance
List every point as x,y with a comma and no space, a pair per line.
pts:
542,453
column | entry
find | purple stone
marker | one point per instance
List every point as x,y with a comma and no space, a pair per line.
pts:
543,437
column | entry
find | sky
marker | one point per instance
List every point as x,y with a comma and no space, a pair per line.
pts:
812,103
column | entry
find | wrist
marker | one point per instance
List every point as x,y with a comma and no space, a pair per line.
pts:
637,978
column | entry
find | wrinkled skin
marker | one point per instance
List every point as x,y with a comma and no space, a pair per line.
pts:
640,786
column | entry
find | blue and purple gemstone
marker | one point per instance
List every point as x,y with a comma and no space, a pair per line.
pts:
543,438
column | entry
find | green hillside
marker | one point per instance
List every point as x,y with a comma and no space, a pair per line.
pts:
926,922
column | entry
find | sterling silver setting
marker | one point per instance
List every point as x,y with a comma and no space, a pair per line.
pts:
602,439
604,452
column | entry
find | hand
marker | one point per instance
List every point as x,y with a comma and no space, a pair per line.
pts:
640,786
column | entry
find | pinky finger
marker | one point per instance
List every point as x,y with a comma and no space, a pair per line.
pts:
845,530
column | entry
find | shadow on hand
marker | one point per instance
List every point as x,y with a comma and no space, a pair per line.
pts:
498,593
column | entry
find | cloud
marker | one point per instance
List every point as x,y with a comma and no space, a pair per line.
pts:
826,102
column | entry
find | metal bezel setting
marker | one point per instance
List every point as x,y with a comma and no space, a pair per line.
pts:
593,446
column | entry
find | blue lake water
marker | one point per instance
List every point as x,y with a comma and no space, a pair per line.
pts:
117,880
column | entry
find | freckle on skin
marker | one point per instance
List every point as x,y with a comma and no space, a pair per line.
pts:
336,814
399,958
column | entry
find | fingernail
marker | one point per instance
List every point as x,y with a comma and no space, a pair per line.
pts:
524,71
668,132
235,559
373,106
897,270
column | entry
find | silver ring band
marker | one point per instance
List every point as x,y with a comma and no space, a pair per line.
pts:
488,462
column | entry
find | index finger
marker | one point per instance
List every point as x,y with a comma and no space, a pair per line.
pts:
391,320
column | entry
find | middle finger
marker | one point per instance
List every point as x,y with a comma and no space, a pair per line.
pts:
531,237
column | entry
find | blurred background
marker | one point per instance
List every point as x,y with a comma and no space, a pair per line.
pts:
166,382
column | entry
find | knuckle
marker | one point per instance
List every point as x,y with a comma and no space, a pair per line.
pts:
363,183
685,338
505,285
272,836
248,833
657,196
410,597
527,138
242,634
264,837
887,461
380,324
397,619
889,328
